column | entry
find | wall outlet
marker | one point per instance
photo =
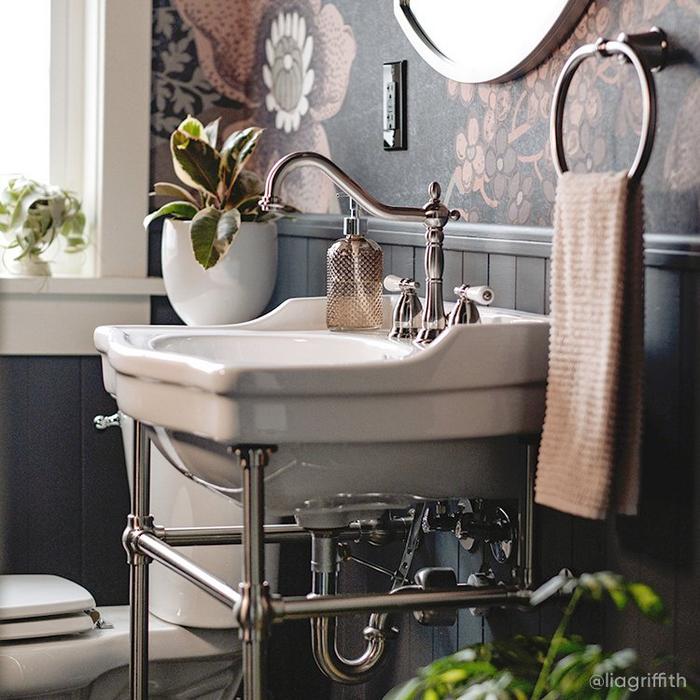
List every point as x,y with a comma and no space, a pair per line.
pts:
394,106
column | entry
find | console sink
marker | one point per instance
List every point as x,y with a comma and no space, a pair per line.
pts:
360,421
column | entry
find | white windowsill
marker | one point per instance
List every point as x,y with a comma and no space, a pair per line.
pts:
110,286
58,315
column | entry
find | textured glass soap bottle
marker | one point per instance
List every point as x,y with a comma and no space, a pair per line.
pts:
354,286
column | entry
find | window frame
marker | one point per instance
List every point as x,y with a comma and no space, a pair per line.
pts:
116,159
100,146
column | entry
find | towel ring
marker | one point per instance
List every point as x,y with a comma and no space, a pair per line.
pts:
647,53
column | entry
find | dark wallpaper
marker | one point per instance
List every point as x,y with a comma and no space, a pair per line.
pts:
487,144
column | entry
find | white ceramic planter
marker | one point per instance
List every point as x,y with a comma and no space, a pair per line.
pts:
236,289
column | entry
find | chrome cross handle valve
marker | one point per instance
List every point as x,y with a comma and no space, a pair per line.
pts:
468,299
407,312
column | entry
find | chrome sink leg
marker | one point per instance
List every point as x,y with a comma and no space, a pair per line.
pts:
254,612
138,521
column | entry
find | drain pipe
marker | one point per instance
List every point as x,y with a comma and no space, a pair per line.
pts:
324,567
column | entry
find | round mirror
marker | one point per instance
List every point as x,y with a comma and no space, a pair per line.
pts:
488,40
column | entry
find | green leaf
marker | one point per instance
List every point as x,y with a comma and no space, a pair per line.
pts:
212,234
169,189
236,141
211,132
647,600
247,189
177,210
604,581
27,198
192,127
237,148
74,226
196,163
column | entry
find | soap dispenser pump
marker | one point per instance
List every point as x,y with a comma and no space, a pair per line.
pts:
354,285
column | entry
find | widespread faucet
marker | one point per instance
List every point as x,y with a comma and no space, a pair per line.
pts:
434,215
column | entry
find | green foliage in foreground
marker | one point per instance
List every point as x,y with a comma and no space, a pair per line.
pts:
563,667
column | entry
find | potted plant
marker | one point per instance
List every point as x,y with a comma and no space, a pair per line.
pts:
560,668
219,251
33,218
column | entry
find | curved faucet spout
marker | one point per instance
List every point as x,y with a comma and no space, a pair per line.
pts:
272,202
434,215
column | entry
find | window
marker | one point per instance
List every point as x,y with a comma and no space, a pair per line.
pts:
25,122
75,112
76,89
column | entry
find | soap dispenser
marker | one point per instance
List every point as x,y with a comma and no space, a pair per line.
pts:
354,286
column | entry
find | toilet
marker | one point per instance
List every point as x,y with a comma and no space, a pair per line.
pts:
51,647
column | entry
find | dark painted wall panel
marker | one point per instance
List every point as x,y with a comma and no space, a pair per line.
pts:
316,272
476,268
66,496
105,492
687,502
453,276
662,467
399,261
530,284
41,461
502,279
291,269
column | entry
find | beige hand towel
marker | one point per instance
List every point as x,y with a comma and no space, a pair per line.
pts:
589,455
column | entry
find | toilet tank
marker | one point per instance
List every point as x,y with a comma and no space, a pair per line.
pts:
177,501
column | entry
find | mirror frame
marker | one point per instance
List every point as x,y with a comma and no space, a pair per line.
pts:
429,52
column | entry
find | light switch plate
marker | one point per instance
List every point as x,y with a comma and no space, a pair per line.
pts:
394,106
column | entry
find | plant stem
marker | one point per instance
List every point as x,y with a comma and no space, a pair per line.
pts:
554,645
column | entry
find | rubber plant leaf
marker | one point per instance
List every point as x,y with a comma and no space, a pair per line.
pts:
169,189
178,210
196,163
236,150
192,127
248,186
211,132
212,234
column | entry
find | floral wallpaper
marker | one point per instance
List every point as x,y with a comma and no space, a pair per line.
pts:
284,66
502,168
309,71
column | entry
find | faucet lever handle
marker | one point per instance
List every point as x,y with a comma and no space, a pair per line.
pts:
396,284
482,294
468,299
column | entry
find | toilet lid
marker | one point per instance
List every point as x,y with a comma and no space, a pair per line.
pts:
25,596
38,627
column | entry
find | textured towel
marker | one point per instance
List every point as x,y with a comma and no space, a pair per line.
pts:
589,455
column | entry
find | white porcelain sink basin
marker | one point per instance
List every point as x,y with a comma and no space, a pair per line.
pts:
247,349
358,418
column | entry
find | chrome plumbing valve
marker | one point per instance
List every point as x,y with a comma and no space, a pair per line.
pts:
407,312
